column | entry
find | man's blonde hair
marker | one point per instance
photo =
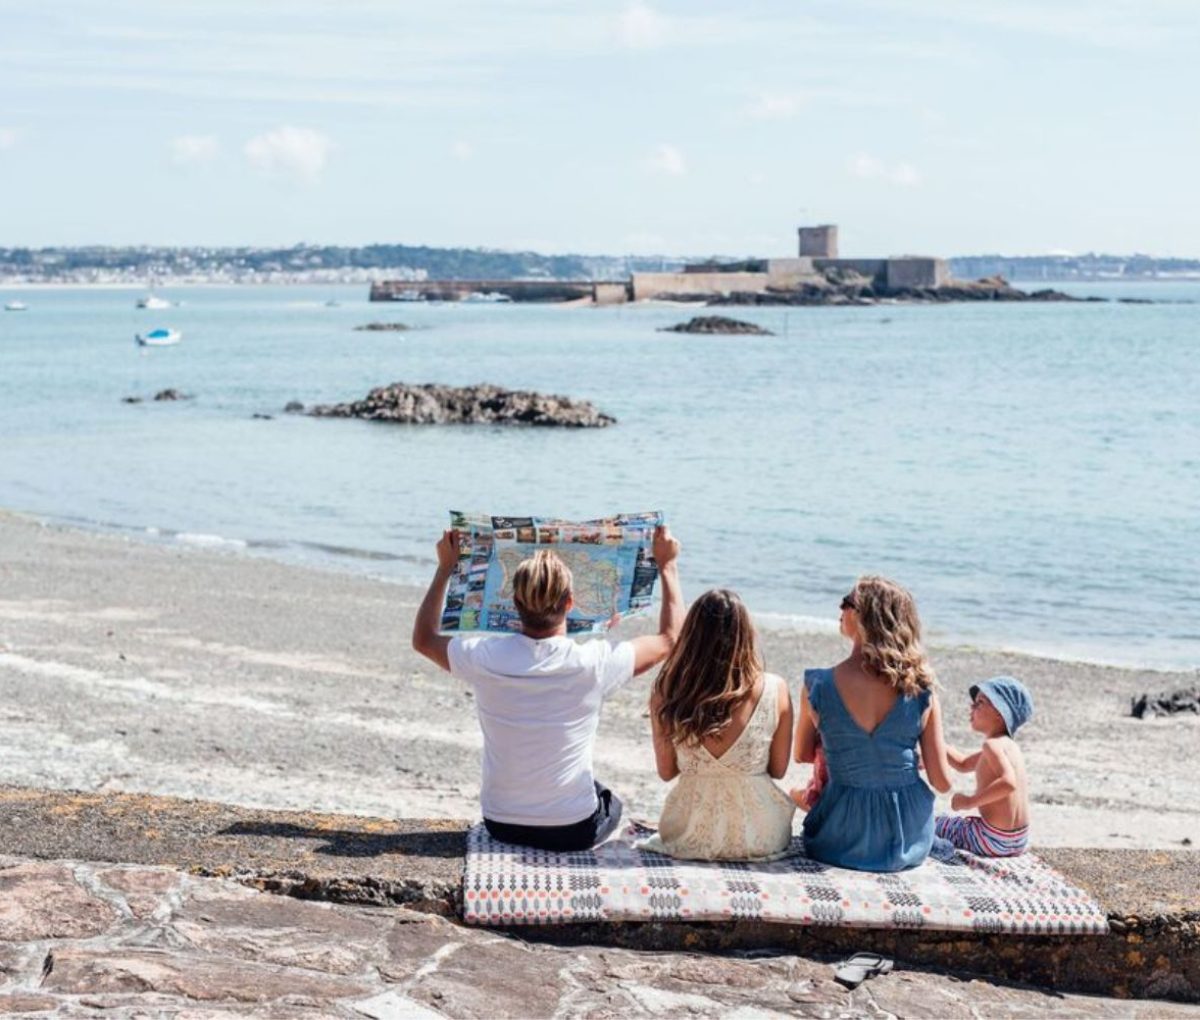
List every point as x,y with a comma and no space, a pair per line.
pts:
541,587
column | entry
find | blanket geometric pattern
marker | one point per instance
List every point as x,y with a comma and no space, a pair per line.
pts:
512,885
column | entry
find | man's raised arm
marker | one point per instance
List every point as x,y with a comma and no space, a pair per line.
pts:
425,636
650,650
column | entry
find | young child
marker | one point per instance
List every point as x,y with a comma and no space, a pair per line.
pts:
999,707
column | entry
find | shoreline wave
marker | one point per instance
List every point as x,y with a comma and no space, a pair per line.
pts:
322,556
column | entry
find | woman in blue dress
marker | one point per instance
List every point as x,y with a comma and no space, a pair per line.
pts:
868,714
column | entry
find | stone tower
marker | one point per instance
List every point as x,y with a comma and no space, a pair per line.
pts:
819,242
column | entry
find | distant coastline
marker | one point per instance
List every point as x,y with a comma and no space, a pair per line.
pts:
142,267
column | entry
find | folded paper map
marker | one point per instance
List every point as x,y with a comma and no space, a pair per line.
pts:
610,559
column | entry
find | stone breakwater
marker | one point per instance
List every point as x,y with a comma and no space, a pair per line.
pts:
484,404
719,324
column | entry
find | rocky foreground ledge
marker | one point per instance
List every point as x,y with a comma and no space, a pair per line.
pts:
131,903
434,404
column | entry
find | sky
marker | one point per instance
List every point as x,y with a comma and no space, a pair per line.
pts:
635,126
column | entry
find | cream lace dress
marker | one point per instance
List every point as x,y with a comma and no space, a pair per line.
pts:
728,808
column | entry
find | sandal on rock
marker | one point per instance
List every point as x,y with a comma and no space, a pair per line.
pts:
854,970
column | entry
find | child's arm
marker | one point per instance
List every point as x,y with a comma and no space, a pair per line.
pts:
933,748
806,730
781,743
1004,785
664,751
425,636
961,762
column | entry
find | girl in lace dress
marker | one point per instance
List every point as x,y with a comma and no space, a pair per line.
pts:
722,725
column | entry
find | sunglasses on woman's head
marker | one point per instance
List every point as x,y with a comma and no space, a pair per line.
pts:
848,602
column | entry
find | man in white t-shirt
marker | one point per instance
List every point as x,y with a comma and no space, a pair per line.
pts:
539,694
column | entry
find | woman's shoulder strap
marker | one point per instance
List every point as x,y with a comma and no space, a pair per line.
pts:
768,701
815,681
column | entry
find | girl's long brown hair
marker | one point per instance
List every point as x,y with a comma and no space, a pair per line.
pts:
891,635
711,670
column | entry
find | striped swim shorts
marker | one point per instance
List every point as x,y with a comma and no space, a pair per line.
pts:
973,834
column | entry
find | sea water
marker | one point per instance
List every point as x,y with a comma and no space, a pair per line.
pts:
1030,471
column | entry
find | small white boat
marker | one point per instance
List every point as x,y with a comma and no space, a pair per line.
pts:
487,297
15,306
150,301
408,295
159,338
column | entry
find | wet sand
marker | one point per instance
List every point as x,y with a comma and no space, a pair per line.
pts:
126,665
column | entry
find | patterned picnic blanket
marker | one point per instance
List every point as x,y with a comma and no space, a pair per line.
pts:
511,885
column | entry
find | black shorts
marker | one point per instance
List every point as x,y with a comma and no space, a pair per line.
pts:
564,838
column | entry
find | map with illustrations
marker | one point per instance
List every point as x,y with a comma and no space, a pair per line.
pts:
610,560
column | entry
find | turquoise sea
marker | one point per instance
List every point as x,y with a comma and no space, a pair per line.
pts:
1031,471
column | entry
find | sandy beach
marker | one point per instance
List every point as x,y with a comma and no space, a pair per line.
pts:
132,666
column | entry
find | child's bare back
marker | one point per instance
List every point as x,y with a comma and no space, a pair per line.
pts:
999,707
1000,758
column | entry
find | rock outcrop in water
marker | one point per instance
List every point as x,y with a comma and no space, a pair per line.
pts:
990,288
161,395
434,404
717,324
382,327
839,286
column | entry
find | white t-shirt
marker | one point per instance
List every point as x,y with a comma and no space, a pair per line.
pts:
539,706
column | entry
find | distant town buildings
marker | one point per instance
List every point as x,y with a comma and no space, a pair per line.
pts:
817,248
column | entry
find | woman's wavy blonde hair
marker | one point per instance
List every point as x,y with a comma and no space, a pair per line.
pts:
711,670
891,634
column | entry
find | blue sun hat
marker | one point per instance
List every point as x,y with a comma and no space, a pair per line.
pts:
1010,698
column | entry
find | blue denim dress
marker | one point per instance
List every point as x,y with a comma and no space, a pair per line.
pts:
876,813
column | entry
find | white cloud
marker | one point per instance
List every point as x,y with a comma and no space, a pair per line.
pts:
462,150
642,27
667,160
8,138
871,168
290,151
776,106
190,150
